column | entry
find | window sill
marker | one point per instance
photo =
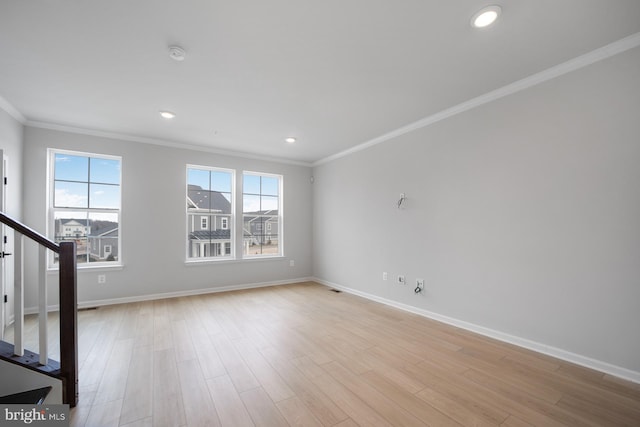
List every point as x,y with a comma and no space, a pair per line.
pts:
209,261
92,269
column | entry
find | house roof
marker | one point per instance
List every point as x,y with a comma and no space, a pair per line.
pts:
113,232
199,198
72,222
210,235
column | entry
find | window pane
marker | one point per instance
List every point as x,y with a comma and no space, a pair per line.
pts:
220,202
221,181
261,235
269,203
103,237
105,171
71,168
70,195
250,203
104,196
198,177
251,184
270,186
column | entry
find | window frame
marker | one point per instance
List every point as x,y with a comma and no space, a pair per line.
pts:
211,221
52,209
279,216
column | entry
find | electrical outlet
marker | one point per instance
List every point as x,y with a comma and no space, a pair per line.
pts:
401,280
102,278
419,286
292,263
385,276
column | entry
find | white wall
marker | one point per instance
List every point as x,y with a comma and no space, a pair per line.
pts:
153,220
523,216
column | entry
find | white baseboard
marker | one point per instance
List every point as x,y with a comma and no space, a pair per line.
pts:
558,353
186,293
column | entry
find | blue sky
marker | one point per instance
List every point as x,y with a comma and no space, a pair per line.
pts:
82,182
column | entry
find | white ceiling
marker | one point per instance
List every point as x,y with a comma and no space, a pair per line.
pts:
334,74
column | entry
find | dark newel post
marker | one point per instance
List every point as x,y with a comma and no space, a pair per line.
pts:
69,322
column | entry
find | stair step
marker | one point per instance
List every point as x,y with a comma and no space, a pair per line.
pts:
30,360
29,397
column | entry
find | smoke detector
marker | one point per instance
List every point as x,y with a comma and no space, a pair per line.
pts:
177,53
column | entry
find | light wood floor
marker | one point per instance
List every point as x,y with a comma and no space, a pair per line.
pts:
302,355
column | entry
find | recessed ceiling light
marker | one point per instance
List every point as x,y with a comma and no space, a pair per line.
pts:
486,16
167,114
290,140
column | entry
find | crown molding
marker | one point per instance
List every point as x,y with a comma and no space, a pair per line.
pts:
160,142
12,111
569,66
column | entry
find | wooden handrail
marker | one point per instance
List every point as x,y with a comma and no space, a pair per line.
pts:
68,306
29,232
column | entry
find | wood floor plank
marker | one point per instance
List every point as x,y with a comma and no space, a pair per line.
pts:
168,409
269,378
387,408
324,409
261,408
198,406
237,369
114,380
427,413
350,403
138,398
297,414
231,411
106,414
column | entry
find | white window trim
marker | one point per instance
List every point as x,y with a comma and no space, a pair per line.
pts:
50,227
204,222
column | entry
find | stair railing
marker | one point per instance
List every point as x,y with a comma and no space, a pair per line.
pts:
68,303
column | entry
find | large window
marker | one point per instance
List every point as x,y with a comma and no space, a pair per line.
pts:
261,214
85,205
209,213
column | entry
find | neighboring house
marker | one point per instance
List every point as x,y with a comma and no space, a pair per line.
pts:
209,223
103,244
71,229
260,228
96,240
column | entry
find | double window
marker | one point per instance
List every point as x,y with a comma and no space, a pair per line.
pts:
211,233
85,205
